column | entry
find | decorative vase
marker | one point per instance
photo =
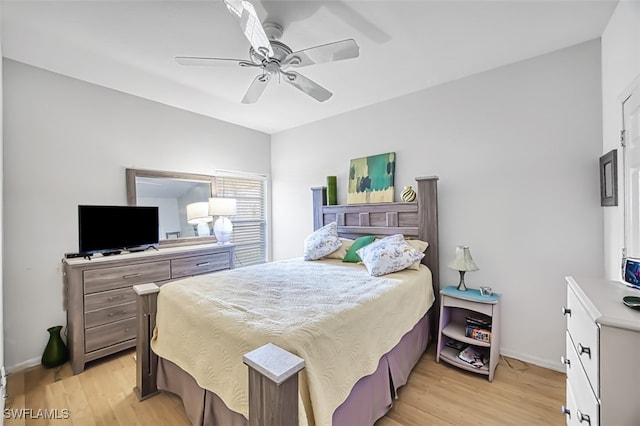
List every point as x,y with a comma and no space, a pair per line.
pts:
332,191
55,353
408,194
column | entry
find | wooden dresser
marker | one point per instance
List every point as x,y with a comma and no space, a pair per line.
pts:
602,353
101,303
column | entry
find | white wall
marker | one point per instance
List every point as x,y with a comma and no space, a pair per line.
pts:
516,150
620,67
68,142
2,356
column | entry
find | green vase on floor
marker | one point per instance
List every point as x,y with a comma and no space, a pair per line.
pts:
55,353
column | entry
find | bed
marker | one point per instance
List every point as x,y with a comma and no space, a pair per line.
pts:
359,335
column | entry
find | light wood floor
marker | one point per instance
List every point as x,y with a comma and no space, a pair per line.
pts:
436,394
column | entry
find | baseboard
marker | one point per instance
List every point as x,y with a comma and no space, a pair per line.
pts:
556,366
23,365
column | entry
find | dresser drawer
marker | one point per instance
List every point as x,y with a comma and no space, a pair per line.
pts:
196,265
106,299
107,315
579,389
570,407
109,334
482,308
96,280
584,334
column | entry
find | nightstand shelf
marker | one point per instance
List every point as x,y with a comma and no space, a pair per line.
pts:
456,331
451,356
455,307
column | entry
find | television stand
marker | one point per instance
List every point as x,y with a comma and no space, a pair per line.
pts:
95,289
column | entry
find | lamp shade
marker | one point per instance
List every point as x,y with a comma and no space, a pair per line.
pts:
463,260
198,213
222,206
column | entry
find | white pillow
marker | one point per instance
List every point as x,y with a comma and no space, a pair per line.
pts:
321,242
342,251
419,245
390,254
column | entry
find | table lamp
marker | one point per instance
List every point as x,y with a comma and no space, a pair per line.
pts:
198,214
463,263
222,207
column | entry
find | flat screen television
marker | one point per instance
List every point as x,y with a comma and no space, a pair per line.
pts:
108,229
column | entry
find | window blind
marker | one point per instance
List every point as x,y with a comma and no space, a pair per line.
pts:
249,224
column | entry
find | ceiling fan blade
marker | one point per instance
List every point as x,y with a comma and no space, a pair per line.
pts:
200,61
256,89
337,51
309,87
246,14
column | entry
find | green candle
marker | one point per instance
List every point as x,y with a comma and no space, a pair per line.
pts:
332,191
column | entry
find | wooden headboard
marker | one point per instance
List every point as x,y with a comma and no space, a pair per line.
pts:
414,220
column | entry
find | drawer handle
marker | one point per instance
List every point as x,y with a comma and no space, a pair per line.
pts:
566,361
584,350
566,311
126,277
122,312
109,299
203,264
565,411
126,330
583,417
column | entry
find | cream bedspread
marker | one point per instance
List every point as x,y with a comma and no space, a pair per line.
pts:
334,315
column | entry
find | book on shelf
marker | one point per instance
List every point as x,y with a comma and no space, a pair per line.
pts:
477,333
455,344
474,356
479,322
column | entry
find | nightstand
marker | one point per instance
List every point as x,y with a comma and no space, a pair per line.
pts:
457,309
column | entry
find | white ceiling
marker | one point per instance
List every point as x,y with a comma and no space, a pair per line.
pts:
405,46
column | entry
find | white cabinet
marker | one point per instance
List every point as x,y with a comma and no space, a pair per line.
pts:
602,352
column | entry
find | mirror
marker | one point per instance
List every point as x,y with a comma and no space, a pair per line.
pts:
171,192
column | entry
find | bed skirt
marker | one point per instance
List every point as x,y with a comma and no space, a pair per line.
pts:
371,397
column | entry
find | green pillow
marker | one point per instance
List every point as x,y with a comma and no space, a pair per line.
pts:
351,255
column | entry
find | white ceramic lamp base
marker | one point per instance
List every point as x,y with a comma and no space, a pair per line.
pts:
203,229
223,228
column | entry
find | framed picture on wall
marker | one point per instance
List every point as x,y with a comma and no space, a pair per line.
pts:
609,178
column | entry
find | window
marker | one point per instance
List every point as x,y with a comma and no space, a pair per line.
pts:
249,224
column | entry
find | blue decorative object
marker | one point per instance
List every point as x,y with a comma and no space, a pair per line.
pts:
472,294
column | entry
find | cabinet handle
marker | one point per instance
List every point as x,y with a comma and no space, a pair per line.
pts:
109,299
130,276
584,350
122,312
583,417
565,411
566,311
203,264
566,361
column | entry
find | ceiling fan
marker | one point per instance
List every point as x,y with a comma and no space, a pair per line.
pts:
274,58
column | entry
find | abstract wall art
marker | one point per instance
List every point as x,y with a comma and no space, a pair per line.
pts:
371,179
